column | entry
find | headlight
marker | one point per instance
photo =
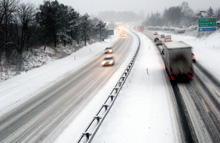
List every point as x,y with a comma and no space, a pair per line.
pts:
103,62
111,62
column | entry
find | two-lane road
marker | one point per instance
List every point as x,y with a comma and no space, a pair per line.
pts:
38,119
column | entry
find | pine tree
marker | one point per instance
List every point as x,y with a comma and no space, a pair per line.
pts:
53,18
85,27
100,27
210,12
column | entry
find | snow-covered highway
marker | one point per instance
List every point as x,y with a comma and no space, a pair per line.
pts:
39,118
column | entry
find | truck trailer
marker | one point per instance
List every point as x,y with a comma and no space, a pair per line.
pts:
178,60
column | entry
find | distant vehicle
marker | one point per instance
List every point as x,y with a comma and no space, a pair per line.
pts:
159,42
167,40
155,33
162,36
178,59
108,61
123,35
167,37
193,58
108,50
141,28
156,39
181,30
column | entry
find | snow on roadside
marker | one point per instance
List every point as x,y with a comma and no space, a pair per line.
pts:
37,57
142,111
20,88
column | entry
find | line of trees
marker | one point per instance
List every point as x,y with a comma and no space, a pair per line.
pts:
179,16
23,26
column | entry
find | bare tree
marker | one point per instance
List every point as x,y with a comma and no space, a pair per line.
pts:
187,14
26,15
7,15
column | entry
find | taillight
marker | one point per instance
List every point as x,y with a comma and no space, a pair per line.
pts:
191,76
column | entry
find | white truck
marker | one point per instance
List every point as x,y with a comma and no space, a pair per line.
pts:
178,59
167,38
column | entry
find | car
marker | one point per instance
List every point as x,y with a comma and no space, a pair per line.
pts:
108,50
159,42
108,61
162,36
156,39
124,35
155,33
193,58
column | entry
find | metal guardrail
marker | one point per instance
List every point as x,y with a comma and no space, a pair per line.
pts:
97,120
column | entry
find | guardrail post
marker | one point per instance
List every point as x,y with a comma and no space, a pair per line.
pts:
106,106
98,118
119,83
116,90
112,97
87,134
123,78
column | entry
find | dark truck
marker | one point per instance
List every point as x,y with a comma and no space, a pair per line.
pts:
178,59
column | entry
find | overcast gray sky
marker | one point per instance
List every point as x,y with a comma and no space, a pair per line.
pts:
95,6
